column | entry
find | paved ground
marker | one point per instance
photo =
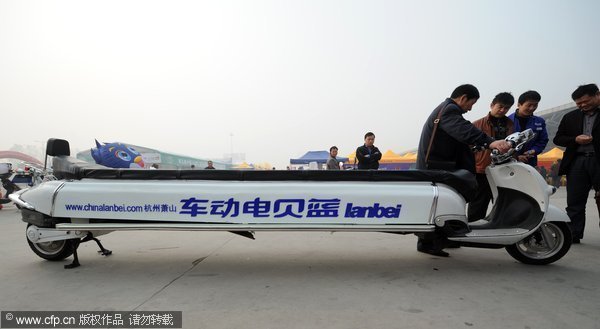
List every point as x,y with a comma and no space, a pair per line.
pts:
307,280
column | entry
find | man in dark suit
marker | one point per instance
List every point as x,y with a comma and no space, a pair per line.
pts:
579,132
449,148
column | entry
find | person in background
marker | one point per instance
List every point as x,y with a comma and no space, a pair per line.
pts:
579,132
496,125
542,170
368,155
332,162
450,146
554,176
209,165
524,119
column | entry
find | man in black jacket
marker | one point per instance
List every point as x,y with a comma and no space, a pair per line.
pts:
450,147
368,155
579,132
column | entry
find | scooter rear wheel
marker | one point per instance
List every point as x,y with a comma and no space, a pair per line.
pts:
547,245
53,250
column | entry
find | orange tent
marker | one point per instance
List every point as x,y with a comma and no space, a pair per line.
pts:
548,158
390,157
351,157
551,155
243,165
409,157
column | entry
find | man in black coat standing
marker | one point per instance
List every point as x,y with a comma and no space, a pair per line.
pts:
579,132
449,147
368,155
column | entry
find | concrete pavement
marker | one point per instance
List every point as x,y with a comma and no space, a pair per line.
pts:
307,280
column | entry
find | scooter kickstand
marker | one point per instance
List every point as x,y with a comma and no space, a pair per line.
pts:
75,262
77,242
103,251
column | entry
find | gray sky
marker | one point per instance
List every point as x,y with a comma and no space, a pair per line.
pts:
283,77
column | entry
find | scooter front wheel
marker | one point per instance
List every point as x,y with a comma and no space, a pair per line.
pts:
546,245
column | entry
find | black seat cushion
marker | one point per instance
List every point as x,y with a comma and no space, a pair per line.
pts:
464,182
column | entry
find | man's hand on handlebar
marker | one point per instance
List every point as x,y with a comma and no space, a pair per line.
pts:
501,145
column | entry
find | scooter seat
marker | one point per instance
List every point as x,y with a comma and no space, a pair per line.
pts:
66,167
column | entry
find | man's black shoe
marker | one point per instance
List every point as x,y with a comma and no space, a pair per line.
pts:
434,252
576,240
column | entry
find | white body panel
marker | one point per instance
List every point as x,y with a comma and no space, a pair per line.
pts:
450,205
247,202
40,197
554,214
521,177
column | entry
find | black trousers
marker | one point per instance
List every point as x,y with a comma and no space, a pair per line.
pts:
583,174
479,205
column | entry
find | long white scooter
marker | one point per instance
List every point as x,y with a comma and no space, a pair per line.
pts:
89,200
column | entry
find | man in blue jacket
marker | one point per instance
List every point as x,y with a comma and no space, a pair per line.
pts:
524,119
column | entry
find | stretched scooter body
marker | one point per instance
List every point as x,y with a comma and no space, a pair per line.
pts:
63,213
90,200
406,206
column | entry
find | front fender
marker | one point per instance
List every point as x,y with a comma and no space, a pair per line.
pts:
554,214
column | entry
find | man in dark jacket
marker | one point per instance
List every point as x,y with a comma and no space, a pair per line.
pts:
450,147
579,132
368,155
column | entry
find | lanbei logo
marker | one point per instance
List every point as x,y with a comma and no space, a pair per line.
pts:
285,208
376,211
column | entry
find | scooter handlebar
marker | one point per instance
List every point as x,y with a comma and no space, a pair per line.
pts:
517,141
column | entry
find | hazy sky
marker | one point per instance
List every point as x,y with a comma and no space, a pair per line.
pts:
283,77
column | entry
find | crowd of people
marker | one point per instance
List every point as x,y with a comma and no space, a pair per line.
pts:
448,140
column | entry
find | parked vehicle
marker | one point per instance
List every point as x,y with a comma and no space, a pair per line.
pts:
16,180
89,200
